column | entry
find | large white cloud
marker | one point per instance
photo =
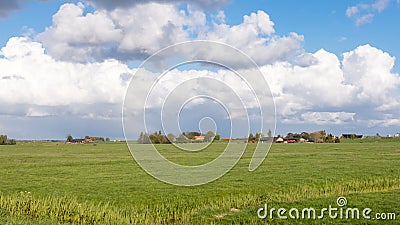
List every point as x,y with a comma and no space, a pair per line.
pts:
255,37
124,33
299,88
361,86
370,70
136,32
77,37
149,27
31,78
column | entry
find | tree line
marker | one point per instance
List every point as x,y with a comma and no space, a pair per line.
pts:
317,136
91,138
185,137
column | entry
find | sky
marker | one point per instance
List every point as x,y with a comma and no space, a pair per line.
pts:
66,66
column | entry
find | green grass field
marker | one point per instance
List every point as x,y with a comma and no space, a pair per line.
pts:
102,184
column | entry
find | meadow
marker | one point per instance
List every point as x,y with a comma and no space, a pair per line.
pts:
57,183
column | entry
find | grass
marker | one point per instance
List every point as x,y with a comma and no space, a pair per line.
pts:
102,184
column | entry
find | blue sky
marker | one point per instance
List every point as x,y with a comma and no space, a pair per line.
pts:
323,23
48,44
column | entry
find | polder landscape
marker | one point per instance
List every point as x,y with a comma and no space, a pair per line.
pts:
100,183
199,112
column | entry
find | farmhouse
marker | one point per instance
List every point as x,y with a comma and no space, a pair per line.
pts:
199,138
279,140
291,140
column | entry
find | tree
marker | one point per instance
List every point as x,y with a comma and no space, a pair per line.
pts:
269,133
146,139
171,138
289,135
107,139
297,136
141,138
163,139
305,135
323,134
217,137
317,137
70,138
329,138
251,138
3,139
257,137
154,139
209,136
190,135
182,138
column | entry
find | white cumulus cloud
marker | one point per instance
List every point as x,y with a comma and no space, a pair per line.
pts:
370,70
29,77
362,85
136,32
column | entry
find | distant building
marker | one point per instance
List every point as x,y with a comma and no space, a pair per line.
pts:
266,139
199,138
291,140
352,136
279,140
78,141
